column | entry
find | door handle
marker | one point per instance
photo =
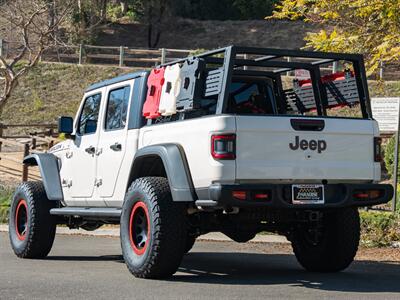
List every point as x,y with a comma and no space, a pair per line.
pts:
90,150
116,147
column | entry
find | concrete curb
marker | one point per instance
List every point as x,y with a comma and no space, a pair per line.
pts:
114,232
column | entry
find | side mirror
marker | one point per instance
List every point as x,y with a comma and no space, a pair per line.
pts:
65,125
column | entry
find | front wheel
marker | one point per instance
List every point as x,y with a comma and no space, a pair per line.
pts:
153,229
333,246
31,227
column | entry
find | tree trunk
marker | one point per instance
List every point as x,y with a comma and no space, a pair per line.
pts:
124,6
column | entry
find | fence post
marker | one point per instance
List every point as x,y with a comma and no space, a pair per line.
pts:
80,54
1,47
1,135
245,57
335,67
163,55
33,143
289,59
381,70
25,166
121,56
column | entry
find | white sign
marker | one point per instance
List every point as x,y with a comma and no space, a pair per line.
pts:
386,112
301,74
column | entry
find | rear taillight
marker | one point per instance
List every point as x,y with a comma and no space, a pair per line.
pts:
368,194
240,195
251,195
378,149
223,146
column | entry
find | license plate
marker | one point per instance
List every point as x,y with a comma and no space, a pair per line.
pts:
308,194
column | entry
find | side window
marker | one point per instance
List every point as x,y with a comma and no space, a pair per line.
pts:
117,108
89,115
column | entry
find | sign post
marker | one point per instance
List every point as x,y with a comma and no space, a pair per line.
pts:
396,164
386,111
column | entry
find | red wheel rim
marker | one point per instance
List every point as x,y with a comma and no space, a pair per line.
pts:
139,228
21,219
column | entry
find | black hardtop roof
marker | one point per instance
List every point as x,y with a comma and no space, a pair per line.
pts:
121,78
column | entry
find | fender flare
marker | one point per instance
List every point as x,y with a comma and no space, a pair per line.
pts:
49,170
176,168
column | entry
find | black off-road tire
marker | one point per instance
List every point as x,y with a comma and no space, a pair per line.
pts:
31,227
154,250
190,240
338,244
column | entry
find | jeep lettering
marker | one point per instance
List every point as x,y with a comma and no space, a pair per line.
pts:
313,145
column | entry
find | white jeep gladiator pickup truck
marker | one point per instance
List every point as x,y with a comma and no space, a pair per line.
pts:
225,141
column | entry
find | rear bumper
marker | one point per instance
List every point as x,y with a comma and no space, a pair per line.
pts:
280,195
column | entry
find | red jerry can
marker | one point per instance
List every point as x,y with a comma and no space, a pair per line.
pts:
155,82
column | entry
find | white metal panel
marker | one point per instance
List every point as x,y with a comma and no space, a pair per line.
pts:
78,170
109,160
194,135
263,151
131,146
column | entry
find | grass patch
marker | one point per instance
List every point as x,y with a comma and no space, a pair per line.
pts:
379,229
5,198
51,90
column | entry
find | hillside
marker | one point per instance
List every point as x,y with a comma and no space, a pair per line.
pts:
51,90
193,34
54,89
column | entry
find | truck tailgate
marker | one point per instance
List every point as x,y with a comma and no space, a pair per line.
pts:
271,148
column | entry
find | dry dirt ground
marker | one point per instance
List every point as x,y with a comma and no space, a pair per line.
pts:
11,168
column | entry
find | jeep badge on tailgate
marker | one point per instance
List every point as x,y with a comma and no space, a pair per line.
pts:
313,145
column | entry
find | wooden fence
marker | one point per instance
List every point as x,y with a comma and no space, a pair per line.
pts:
138,57
15,146
104,55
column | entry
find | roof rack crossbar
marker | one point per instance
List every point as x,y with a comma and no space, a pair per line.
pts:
268,57
322,62
297,53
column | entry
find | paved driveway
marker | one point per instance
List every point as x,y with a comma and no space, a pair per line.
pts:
84,267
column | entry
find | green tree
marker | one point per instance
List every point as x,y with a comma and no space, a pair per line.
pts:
370,27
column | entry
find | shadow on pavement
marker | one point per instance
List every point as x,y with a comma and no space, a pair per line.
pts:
117,258
275,269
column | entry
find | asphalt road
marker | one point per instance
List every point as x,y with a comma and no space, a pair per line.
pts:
84,267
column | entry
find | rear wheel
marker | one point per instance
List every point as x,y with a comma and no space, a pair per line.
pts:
153,229
31,227
190,240
333,246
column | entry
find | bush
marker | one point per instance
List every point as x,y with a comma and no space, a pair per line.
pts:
5,198
389,156
379,229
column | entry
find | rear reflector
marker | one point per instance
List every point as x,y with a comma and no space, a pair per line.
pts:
371,194
261,196
241,195
361,195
